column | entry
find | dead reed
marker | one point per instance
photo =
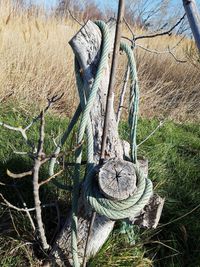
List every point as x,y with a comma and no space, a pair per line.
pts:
36,62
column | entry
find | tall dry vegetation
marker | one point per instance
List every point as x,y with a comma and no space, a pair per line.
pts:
36,62
35,58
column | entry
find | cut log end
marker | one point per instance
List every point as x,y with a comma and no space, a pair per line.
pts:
117,179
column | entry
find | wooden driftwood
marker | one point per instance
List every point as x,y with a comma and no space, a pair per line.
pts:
86,45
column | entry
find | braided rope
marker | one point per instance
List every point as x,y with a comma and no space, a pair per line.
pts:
83,123
118,209
112,209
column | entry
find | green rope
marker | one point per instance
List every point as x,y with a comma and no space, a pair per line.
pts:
112,209
122,209
83,123
118,209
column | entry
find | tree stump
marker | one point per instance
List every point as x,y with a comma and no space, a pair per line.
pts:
117,178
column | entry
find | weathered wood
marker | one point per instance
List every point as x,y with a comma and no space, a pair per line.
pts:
149,217
110,95
193,18
86,45
117,179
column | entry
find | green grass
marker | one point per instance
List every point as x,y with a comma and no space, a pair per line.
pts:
174,168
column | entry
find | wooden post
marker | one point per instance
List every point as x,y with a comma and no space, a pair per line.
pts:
110,96
86,45
193,18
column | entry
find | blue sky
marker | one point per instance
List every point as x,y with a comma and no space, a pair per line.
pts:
102,3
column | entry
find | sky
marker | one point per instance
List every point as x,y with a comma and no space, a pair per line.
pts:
102,3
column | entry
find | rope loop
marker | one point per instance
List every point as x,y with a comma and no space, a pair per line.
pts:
114,210
123,209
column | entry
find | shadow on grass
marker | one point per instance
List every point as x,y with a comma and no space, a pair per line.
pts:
15,225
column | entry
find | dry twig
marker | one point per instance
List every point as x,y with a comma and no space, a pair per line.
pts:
11,206
74,18
152,133
123,92
168,51
19,175
50,178
167,32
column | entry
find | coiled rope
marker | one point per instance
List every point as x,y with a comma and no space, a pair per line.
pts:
111,209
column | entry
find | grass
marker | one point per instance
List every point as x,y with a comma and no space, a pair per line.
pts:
35,63
173,154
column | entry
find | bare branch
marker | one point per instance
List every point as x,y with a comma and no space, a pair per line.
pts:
54,141
26,208
168,51
23,209
13,223
129,27
19,175
178,60
50,178
36,169
123,92
20,152
152,133
118,31
23,130
42,135
75,19
17,129
11,205
51,101
168,32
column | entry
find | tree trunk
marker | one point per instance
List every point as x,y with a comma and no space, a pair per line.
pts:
86,45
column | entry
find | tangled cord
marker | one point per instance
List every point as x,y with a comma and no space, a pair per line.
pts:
110,208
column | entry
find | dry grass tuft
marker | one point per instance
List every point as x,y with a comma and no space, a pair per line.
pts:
36,61
35,58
